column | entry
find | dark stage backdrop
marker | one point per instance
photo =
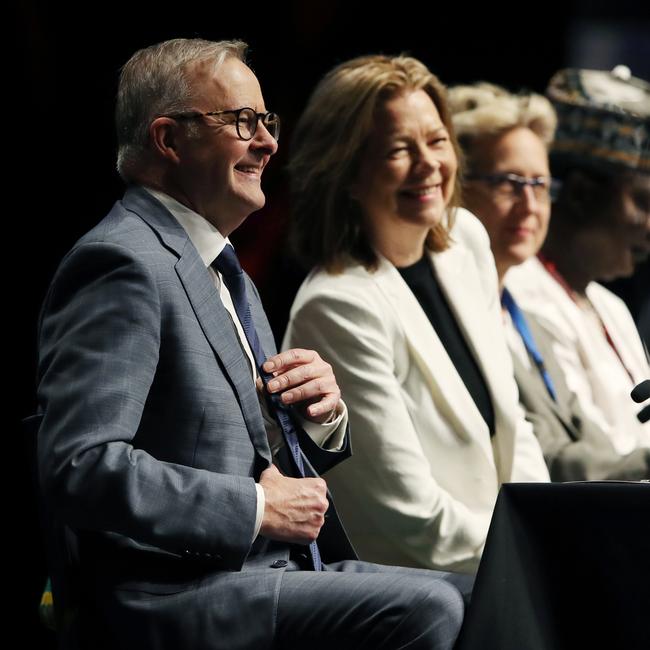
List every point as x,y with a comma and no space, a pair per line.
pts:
61,141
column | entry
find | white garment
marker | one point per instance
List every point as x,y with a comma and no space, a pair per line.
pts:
592,369
421,485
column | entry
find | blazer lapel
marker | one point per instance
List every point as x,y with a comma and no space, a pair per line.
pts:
213,317
485,338
529,384
623,346
447,387
562,407
219,330
482,335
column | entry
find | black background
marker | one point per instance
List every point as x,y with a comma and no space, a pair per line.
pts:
60,143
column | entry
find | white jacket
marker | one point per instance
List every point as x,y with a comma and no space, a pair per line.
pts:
422,482
592,369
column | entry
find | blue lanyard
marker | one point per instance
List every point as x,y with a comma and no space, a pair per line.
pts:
521,325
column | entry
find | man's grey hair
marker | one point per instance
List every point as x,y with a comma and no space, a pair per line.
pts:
154,82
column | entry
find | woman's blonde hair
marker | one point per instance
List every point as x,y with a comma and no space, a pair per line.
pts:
484,109
327,225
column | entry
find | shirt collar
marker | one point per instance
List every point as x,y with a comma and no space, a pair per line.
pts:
207,240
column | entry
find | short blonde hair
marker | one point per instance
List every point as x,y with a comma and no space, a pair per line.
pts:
327,225
484,109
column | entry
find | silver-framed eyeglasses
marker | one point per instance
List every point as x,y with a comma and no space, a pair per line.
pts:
511,186
246,120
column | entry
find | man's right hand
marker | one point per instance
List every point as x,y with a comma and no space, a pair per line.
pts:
295,507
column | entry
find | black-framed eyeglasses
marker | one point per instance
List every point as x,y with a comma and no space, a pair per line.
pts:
511,186
246,120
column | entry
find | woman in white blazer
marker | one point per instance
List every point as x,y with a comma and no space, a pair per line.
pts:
436,425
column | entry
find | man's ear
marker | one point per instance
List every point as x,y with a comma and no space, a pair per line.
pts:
164,134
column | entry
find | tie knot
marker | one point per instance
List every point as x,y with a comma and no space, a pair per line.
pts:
227,262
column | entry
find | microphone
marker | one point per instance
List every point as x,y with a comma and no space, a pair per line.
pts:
640,393
644,414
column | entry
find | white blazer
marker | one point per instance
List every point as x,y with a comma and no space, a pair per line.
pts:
422,482
592,369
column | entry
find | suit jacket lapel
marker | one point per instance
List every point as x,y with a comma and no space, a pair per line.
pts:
623,346
219,330
447,387
213,317
530,383
483,336
486,339
562,407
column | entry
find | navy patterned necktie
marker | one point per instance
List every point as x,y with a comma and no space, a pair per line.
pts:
228,265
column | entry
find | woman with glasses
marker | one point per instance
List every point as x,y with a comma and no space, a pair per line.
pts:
504,138
402,300
600,230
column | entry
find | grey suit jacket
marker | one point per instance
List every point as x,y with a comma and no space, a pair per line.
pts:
575,448
152,438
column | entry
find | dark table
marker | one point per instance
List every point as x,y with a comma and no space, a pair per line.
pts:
566,565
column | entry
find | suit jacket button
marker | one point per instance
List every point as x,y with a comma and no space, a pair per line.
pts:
279,564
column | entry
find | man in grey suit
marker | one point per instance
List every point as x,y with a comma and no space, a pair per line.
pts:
200,522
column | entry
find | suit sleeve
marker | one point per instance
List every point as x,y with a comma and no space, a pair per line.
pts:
594,458
589,457
99,344
389,475
325,452
575,448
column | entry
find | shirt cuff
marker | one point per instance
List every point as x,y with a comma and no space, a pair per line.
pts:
259,513
330,435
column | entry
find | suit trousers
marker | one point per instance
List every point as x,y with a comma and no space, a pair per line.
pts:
360,605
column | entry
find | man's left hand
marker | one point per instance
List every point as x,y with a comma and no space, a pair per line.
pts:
302,378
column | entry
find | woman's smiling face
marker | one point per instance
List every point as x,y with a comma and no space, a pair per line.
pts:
408,167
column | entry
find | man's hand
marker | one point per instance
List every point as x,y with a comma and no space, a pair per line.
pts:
295,507
302,377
